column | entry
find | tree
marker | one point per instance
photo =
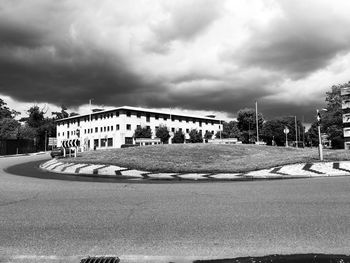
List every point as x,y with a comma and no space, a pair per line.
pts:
8,128
195,136
143,132
26,132
274,130
312,135
36,117
61,114
331,120
5,111
179,137
163,134
208,135
247,124
229,130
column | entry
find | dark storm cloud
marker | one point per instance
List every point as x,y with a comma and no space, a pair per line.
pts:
185,21
40,62
67,52
71,82
304,39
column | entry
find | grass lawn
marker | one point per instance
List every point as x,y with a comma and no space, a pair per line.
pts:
205,157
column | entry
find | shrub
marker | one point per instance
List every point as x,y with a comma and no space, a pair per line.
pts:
195,136
143,132
163,134
179,137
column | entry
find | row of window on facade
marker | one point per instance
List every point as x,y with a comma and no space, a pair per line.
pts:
128,127
138,115
106,142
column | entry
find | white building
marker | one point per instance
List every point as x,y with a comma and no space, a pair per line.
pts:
112,128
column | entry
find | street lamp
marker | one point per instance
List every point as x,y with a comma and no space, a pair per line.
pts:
320,147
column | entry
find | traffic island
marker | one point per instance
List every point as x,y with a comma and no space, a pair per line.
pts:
300,170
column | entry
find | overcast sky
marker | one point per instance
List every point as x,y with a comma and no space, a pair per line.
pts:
200,55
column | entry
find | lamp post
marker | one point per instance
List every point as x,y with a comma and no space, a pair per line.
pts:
320,148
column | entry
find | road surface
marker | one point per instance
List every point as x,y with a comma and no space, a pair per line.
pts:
49,219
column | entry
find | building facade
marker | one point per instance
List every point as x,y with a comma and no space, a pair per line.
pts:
345,97
115,127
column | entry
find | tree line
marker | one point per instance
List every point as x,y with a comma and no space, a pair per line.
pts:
36,126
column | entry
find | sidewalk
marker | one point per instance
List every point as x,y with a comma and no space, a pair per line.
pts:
302,170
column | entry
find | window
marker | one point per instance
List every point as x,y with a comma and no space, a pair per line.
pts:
138,115
148,117
180,129
110,142
148,127
84,131
117,127
111,128
128,126
96,117
173,129
117,113
138,126
156,117
104,129
58,134
194,121
103,142
107,128
96,143
165,118
62,133
187,120
187,130
101,129
200,124
156,128
172,118
96,129
128,113
128,140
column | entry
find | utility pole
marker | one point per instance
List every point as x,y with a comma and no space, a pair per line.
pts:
296,132
303,130
257,122
45,139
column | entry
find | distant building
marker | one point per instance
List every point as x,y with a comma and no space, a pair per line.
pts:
115,127
345,96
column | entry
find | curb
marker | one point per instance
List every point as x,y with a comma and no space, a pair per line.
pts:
292,171
23,154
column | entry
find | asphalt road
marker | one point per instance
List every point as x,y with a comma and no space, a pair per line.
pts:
51,219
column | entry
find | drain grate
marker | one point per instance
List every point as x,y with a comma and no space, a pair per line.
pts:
100,260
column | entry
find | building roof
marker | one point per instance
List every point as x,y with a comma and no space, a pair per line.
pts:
138,109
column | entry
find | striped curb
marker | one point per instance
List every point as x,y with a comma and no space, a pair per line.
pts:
300,170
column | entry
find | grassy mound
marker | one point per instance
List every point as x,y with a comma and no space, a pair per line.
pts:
205,157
